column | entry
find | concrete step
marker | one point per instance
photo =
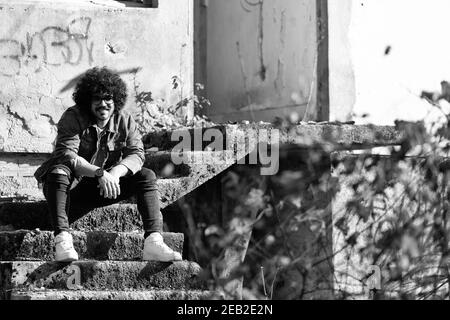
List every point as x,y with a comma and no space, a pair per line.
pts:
161,163
115,295
122,217
38,245
168,139
167,164
339,135
34,215
16,170
99,275
170,190
167,188
18,183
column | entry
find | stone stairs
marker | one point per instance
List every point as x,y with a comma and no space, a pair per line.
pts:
112,295
109,240
25,245
109,263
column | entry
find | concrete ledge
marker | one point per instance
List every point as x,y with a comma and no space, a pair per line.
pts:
118,218
163,139
341,136
35,194
98,276
115,295
162,162
346,137
17,180
170,190
32,245
33,215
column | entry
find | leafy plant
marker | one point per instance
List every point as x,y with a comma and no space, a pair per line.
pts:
157,114
311,232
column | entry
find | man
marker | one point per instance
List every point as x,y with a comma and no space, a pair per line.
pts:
97,161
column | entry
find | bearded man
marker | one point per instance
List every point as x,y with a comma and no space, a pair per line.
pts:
98,161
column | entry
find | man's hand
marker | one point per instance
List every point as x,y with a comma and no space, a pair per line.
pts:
109,185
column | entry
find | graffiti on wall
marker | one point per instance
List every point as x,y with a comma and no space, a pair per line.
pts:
52,46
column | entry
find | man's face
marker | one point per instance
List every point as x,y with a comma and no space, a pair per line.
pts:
102,106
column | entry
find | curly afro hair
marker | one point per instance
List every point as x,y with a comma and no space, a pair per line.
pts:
99,82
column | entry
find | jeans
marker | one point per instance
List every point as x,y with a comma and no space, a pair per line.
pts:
65,204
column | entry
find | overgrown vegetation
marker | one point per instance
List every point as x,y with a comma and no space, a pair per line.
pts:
328,222
158,114
324,225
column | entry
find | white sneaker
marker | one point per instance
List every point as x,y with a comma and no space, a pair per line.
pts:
156,250
64,251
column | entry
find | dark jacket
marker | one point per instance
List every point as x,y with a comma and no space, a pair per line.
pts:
77,136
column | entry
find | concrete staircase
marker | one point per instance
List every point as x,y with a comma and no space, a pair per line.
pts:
109,240
110,267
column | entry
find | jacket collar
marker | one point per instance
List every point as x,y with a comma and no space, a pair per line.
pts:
113,123
111,126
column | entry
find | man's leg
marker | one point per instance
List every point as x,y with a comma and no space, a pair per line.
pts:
86,196
144,185
56,191
66,205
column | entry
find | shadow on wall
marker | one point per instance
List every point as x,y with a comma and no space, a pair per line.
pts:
72,83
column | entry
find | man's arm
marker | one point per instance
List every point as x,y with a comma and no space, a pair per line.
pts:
120,171
67,140
132,159
85,169
133,152
109,184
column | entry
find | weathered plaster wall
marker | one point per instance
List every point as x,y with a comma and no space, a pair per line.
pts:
341,74
261,58
45,46
365,79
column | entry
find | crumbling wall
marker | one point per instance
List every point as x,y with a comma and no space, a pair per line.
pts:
46,46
